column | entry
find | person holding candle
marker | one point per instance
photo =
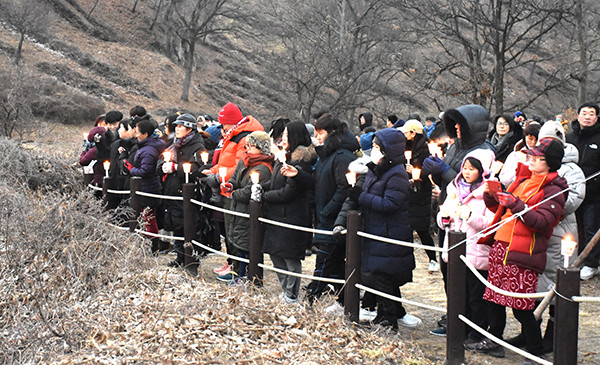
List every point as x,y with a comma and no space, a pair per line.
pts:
567,227
384,203
420,196
464,210
187,146
518,248
529,140
144,166
256,159
504,136
286,200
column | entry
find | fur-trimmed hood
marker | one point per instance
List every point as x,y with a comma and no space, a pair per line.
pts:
305,154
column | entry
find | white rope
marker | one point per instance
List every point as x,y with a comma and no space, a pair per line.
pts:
498,290
297,228
401,300
219,209
167,197
503,343
221,253
118,227
304,276
121,192
398,242
160,235
97,188
586,299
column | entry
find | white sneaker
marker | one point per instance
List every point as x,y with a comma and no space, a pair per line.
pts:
587,272
433,266
409,321
366,315
336,309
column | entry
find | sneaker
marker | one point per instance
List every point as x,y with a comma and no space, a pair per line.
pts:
366,315
227,277
470,344
433,266
287,300
336,309
440,331
587,272
487,346
225,266
409,321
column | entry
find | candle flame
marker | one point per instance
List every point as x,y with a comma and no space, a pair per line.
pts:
167,155
204,157
187,167
106,165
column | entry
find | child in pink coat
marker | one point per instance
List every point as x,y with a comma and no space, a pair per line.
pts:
464,210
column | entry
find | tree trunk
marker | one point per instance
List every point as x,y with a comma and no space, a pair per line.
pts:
92,9
19,49
189,66
583,58
134,6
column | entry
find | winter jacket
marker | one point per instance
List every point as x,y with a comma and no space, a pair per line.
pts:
507,174
234,144
286,200
360,166
530,233
173,182
479,218
473,120
587,141
568,224
384,202
504,145
239,227
144,166
331,186
90,155
419,198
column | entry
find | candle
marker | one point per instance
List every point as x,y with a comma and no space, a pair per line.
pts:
187,168
85,136
567,247
204,157
351,178
416,173
222,173
496,167
106,165
254,176
281,156
408,156
434,149
167,156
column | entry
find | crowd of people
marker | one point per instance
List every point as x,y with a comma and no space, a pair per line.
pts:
463,170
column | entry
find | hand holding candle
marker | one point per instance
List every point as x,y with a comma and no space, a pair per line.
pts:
351,178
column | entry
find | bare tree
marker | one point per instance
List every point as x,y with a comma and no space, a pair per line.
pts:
15,112
585,61
89,14
26,18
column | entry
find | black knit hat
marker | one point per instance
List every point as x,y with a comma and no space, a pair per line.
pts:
551,149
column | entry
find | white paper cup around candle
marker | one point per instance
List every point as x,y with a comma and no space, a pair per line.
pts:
106,165
351,178
187,168
204,157
167,156
567,247
254,177
281,156
416,173
222,173
408,156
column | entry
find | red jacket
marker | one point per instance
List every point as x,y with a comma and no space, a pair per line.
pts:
234,144
530,232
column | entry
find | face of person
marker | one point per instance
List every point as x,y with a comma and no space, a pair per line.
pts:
227,127
252,149
469,172
410,135
428,123
587,117
284,140
181,131
538,165
362,119
123,133
320,135
113,126
530,140
502,127
389,124
139,135
457,126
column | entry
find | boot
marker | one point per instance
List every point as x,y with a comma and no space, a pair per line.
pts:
155,246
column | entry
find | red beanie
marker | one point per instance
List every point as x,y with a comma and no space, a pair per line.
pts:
230,114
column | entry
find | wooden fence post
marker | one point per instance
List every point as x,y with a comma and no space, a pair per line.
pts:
353,262
566,316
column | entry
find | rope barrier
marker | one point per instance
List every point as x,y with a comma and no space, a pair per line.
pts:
97,188
401,300
121,192
219,209
176,238
586,299
503,343
221,253
495,288
158,196
118,227
398,242
304,276
297,228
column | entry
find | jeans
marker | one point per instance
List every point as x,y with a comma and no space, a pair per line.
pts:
289,284
588,222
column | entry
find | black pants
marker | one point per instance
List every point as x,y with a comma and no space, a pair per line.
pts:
330,263
477,310
426,240
388,309
529,326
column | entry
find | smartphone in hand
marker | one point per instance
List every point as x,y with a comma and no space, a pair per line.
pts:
494,186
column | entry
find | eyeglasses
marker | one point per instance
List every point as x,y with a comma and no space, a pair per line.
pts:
502,124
